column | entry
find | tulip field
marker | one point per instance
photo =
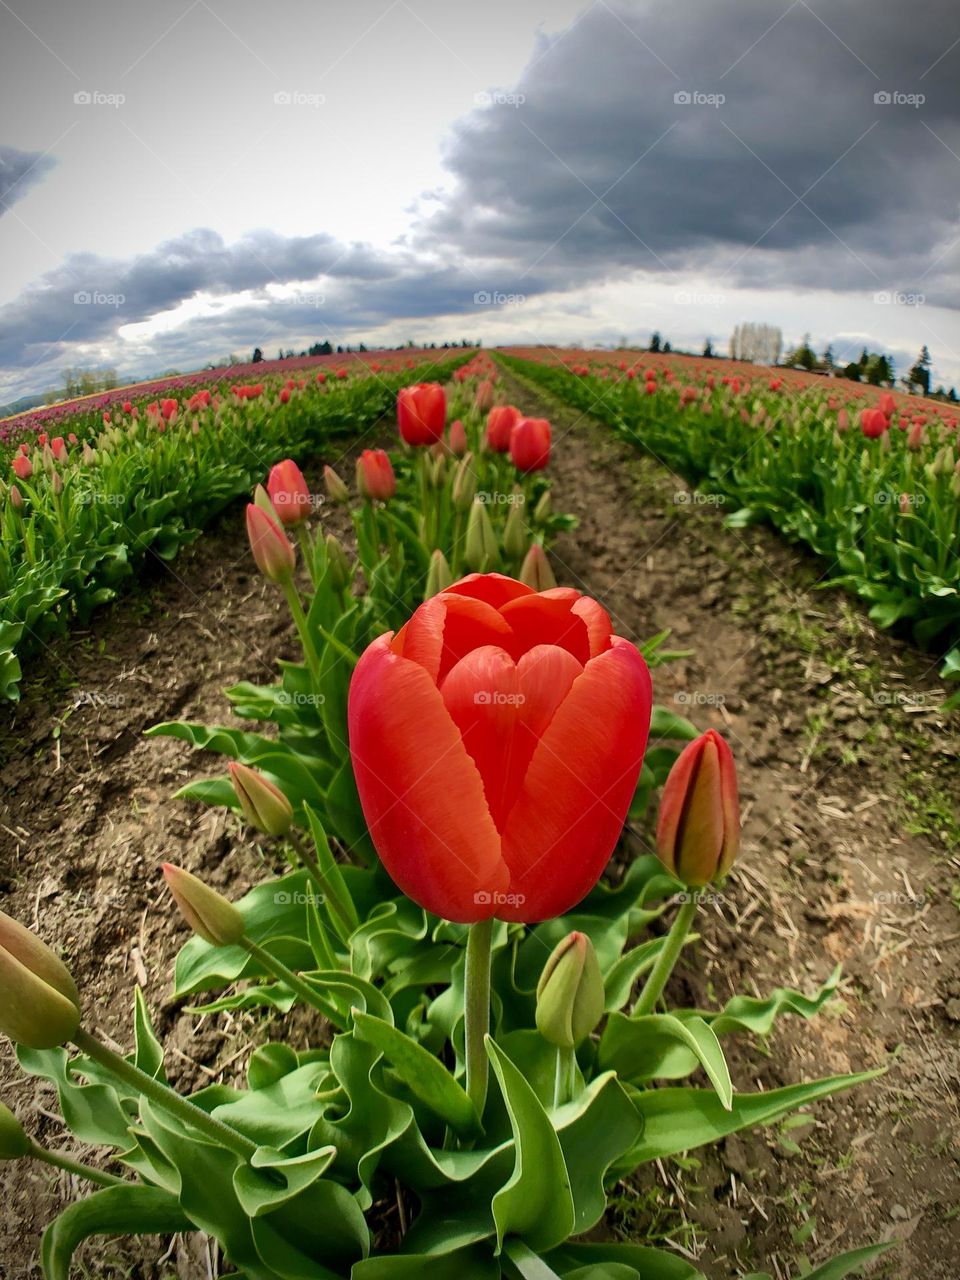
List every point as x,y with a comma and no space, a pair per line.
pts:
456,927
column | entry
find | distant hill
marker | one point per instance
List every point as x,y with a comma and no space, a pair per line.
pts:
22,405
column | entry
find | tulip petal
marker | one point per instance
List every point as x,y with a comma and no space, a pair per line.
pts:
421,793
444,629
538,619
482,695
494,588
546,675
568,817
598,624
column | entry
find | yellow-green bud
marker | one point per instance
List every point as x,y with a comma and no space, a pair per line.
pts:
39,1001
570,994
341,570
535,571
439,576
208,913
480,551
14,1142
515,532
262,803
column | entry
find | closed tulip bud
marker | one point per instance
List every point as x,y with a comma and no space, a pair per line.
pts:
698,829
262,803
464,486
458,438
39,1001
48,460
437,468
337,491
570,994
89,455
887,405
515,535
14,1142
439,576
541,512
480,550
209,914
289,492
341,570
915,436
422,413
56,484
16,498
22,466
484,396
375,476
530,444
843,420
535,571
501,420
275,557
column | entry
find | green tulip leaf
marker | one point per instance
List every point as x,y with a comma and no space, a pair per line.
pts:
94,1111
424,1075
644,1263
259,1195
473,1263
280,1112
269,1064
847,1263
148,1053
115,1211
619,980
636,1047
746,1013
536,1203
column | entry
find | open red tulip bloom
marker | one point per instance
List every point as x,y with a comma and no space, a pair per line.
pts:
497,739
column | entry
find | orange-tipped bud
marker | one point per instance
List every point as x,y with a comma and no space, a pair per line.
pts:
535,571
458,438
39,1001
337,491
275,557
208,913
570,994
289,492
263,805
698,829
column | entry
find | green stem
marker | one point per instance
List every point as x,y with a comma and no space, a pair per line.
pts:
307,548
325,882
74,1166
188,1112
294,982
667,958
306,639
477,1010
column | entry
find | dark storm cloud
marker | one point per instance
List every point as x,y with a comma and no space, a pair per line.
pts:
19,171
800,175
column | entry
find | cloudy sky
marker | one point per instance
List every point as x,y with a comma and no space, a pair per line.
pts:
183,180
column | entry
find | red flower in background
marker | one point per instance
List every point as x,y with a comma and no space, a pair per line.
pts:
289,492
501,420
375,477
530,444
422,413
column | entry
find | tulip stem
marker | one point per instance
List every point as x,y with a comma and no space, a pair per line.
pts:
477,1010
74,1166
294,982
306,639
185,1110
669,953
565,1075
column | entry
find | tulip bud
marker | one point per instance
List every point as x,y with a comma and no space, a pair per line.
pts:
208,913
698,829
275,557
535,571
458,438
263,805
337,491
570,994
464,486
16,498
480,550
56,484
439,576
541,512
436,471
289,492
341,570
39,1001
14,1143
515,533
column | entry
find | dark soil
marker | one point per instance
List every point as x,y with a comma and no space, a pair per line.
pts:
842,755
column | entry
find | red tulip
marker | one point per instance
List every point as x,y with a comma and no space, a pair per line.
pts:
168,408
58,447
458,438
127,406
22,466
843,420
484,396
887,405
497,739
501,420
271,549
698,828
422,413
321,378
873,423
915,438
289,492
530,444
284,396
375,478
